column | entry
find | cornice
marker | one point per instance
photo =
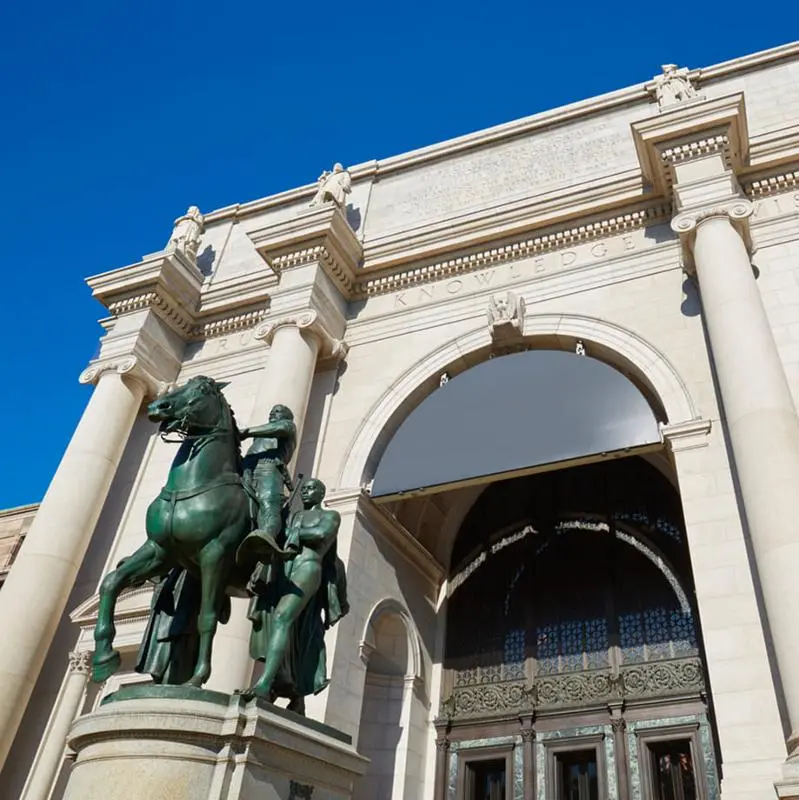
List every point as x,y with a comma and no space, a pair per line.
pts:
316,235
191,327
448,311
691,131
19,511
773,184
505,219
545,242
252,288
223,326
133,605
637,93
695,149
174,315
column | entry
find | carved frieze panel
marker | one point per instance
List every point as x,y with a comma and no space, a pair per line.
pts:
476,695
486,700
661,678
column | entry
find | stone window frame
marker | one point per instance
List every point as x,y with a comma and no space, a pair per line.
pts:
648,736
469,756
555,747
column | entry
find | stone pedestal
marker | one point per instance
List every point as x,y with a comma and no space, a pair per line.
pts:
178,743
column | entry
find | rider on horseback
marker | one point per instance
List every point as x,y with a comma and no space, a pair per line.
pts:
266,473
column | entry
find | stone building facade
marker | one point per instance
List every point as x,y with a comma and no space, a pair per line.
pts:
14,524
587,590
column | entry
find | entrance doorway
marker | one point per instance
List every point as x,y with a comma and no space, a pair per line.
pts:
571,606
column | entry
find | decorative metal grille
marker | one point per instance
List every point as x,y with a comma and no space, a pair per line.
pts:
489,693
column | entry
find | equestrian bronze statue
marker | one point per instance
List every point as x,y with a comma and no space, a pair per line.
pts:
223,526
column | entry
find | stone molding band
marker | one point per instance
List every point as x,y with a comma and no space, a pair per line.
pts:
305,321
126,365
688,435
529,246
183,323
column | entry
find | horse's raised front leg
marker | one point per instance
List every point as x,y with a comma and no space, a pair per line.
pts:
149,560
215,560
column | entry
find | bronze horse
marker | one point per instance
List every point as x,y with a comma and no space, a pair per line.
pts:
197,521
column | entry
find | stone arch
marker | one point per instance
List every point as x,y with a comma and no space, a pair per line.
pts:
646,366
394,712
374,639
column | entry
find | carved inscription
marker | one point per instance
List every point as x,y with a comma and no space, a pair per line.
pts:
220,345
508,171
547,264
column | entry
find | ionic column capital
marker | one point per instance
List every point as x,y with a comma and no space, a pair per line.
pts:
130,366
737,210
307,320
80,662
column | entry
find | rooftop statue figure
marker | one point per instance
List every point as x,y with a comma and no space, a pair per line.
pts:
187,232
333,187
674,86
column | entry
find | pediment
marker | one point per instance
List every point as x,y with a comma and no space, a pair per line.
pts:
133,605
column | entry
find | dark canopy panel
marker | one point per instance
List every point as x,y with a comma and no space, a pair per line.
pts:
515,412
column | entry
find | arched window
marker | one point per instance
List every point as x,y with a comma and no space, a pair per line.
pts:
579,600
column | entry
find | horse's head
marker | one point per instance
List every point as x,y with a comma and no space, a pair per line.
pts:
192,409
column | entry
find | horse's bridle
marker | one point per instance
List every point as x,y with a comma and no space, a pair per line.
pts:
182,423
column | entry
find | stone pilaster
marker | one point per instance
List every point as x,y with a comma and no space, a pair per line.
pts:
619,727
440,790
48,760
528,756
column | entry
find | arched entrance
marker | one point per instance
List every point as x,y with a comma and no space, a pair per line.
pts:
570,608
571,663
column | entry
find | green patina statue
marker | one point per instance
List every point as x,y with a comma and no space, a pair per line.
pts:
171,642
296,601
223,525
265,470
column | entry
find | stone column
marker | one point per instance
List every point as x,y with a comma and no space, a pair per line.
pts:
36,591
761,419
49,758
295,343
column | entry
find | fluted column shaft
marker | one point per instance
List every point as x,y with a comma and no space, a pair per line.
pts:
35,594
51,754
763,428
286,379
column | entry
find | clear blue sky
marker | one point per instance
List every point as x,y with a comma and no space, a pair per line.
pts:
118,115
